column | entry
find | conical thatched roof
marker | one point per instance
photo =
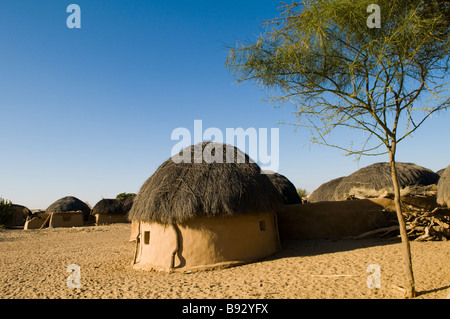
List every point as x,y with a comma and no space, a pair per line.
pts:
378,177
443,188
69,204
115,206
224,182
325,192
285,187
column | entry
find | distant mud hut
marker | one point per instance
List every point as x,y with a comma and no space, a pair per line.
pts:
285,187
69,204
19,216
108,211
326,191
212,210
373,181
377,178
443,188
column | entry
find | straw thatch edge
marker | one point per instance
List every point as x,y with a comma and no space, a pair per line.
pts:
179,191
443,188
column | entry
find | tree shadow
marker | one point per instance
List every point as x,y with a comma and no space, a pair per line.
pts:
4,232
420,293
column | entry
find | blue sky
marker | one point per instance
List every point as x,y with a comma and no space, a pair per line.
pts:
89,112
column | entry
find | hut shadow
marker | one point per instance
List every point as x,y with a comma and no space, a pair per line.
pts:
320,228
315,247
7,240
334,219
8,231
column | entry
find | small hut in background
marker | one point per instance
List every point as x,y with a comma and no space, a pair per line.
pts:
68,211
207,207
108,211
19,215
325,192
69,204
285,188
375,181
443,188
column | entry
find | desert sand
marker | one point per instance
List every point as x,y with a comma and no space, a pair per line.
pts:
34,263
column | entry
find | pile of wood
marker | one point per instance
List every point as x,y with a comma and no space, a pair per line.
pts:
421,225
428,225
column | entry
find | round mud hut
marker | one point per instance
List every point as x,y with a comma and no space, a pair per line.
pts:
375,179
285,187
443,188
112,210
18,217
69,204
207,207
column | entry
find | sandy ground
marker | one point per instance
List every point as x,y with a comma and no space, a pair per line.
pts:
34,263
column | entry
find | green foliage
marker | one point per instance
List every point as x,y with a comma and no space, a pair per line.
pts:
6,211
302,192
125,195
321,56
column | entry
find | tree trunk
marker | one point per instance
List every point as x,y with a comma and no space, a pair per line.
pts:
410,286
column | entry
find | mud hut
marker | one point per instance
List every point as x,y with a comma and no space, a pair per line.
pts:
69,204
207,207
108,211
18,217
325,192
375,179
285,187
443,188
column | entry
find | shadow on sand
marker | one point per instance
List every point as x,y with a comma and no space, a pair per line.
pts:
421,293
314,247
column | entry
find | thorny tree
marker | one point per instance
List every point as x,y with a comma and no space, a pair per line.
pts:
322,56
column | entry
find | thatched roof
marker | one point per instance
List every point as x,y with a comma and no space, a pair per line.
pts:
69,204
19,215
224,182
285,187
115,206
378,177
373,178
25,210
325,192
443,188
440,172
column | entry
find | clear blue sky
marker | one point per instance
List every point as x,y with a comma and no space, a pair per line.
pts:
89,112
